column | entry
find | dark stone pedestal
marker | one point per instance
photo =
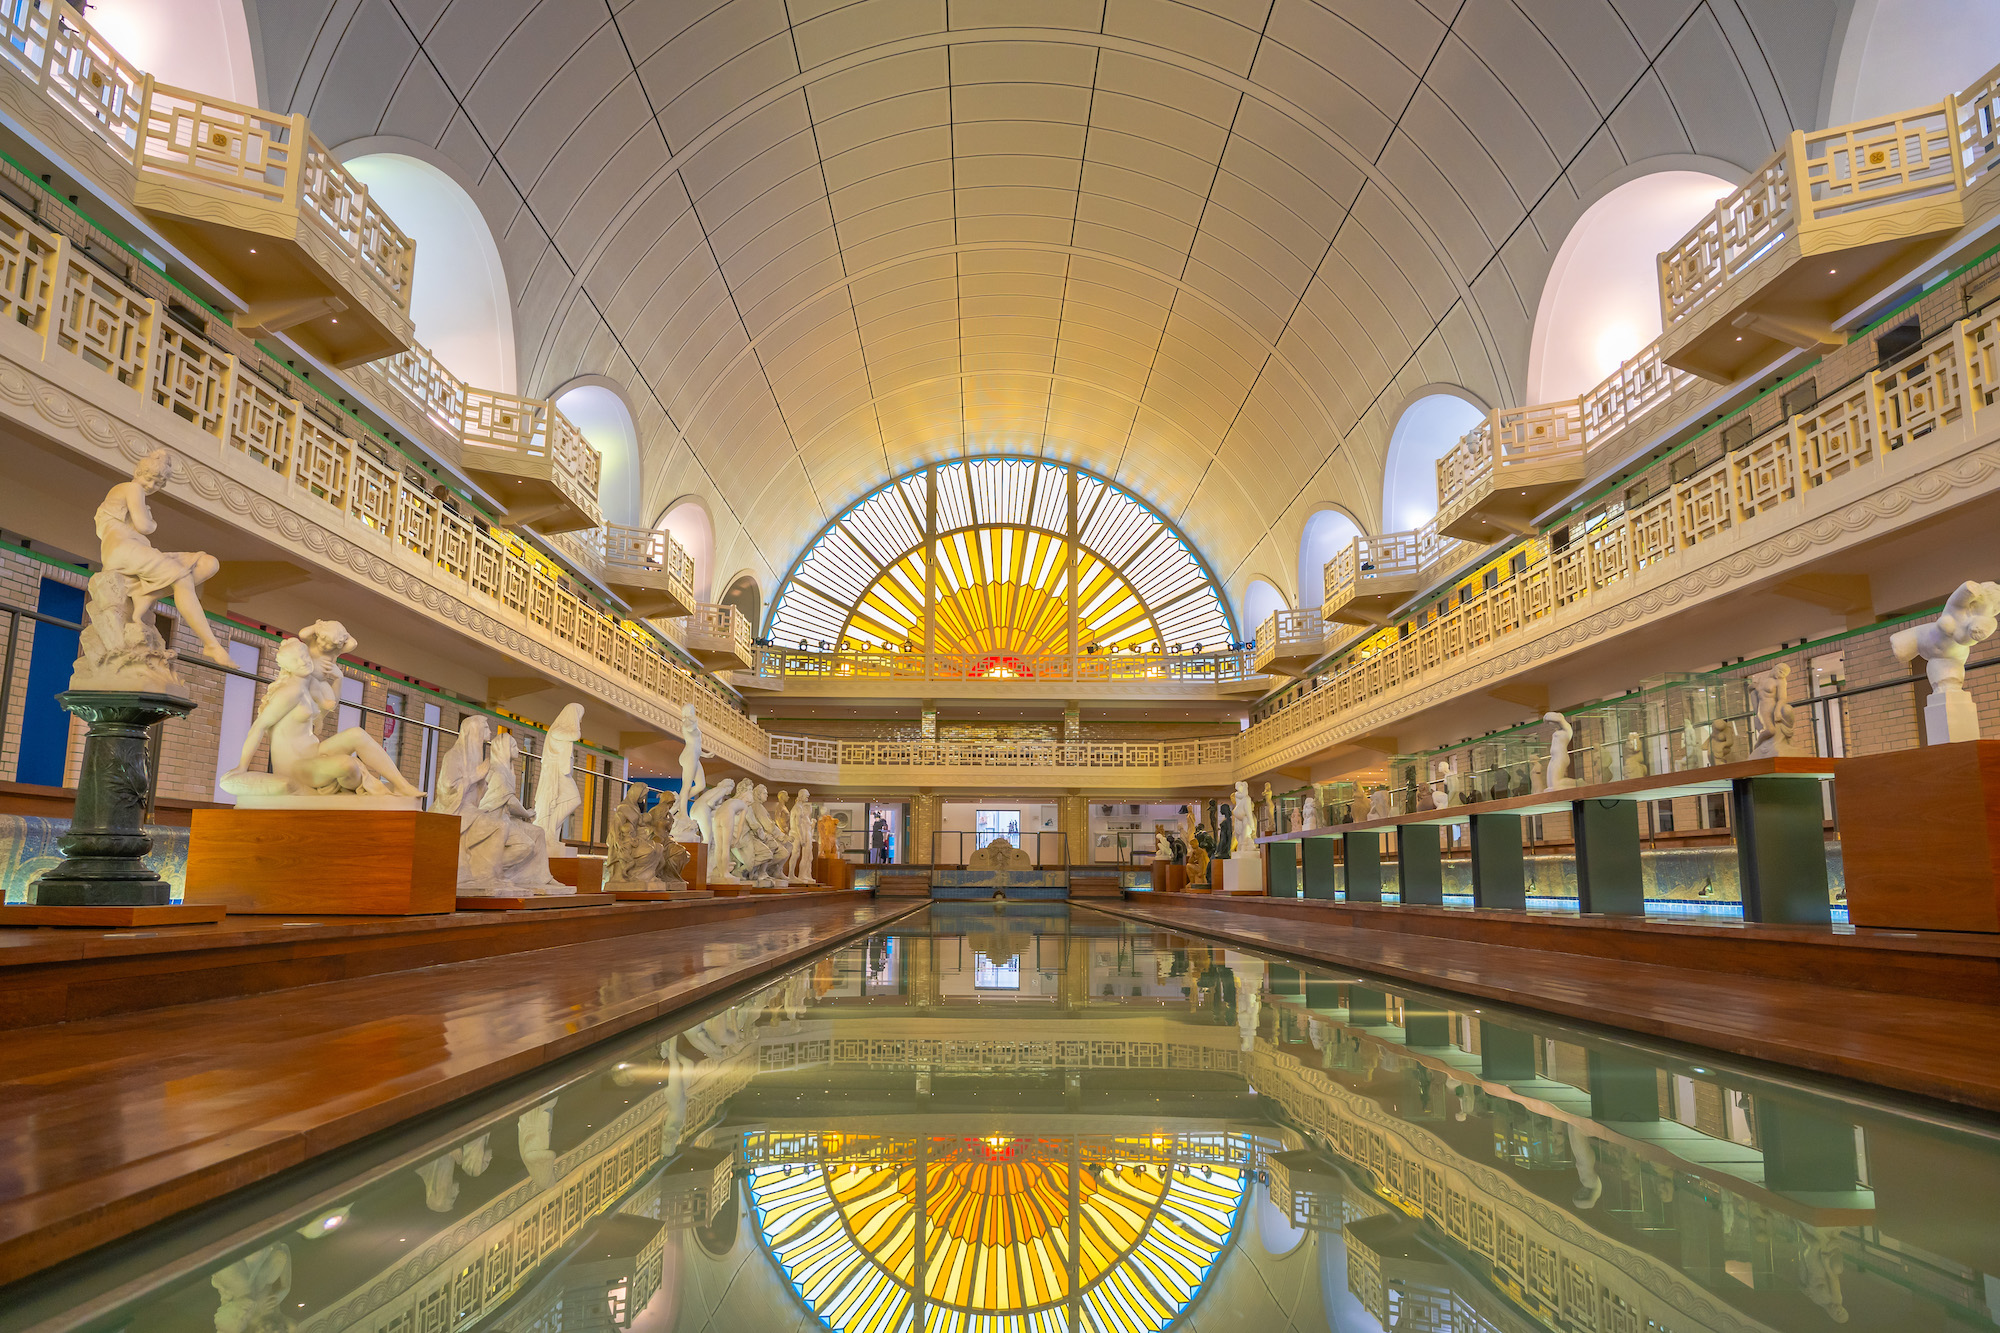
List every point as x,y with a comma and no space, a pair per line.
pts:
104,850
1609,876
1317,870
1420,865
1362,862
1781,850
1499,874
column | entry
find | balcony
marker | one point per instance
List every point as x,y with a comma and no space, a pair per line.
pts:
1367,583
1497,480
530,458
1833,217
1290,642
882,674
648,570
252,197
718,637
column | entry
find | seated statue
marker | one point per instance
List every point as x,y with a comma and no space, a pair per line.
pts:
502,852
632,857
305,769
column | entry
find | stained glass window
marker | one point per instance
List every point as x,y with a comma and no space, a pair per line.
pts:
1018,1235
1000,567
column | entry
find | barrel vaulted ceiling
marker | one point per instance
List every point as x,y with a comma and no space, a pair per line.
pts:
1205,249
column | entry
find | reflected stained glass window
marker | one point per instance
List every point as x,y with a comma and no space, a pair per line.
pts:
1018,1235
1000,567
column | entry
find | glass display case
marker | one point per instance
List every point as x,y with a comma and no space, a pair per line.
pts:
1501,765
1694,719
1409,783
1609,744
1342,801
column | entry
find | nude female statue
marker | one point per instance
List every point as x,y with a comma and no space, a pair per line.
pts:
124,521
349,762
556,793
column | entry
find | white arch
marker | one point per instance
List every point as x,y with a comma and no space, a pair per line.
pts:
199,44
1261,601
1601,302
1891,57
746,594
1327,533
1429,425
459,302
688,520
598,407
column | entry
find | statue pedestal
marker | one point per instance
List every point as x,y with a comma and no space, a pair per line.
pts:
1920,837
836,872
1241,875
660,895
585,874
529,902
696,873
104,851
1950,717
324,862
1167,877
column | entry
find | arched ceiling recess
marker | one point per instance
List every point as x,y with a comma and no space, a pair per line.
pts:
984,549
1202,249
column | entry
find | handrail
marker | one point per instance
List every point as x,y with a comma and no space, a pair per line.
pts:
774,662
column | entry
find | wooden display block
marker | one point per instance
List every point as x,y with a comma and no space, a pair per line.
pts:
115,917
1920,837
660,895
324,862
531,902
1167,877
696,874
585,874
836,872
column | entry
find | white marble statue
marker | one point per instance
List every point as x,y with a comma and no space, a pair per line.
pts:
119,648
717,809
701,813
632,856
1725,743
440,1177
760,849
556,793
1559,739
1774,722
1538,767
502,852
1163,848
1269,808
254,1290
531,1133
1445,790
1243,813
693,779
1970,616
799,864
1378,803
1694,744
349,770
1308,811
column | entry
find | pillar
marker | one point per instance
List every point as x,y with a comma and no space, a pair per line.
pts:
1425,1027
923,825
1499,875
1362,855
1367,1008
1322,996
1281,860
1609,879
1322,879
1505,1054
1806,1151
1622,1088
1781,850
1420,864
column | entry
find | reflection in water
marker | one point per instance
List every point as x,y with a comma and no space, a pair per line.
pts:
987,1122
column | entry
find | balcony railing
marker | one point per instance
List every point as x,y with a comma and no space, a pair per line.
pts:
1694,496
58,304
649,571
1374,576
1218,669
1290,641
1825,220
1217,751
716,636
209,169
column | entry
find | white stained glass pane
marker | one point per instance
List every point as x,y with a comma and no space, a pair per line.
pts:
1117,526
838,567
883,526
954,507
1051,511
996,973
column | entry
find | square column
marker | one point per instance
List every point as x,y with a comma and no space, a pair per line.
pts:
1420,864
1622,1088
1609,879
1363,853
1367,1008
1316,863
1281,861
1505,1054
1499,874
1781,850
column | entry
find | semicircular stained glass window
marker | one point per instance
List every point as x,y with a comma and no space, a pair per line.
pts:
1007,553
996,1217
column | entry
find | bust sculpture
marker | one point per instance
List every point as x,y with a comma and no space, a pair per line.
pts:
1970,616
347,770
556,793
1559,739
119,648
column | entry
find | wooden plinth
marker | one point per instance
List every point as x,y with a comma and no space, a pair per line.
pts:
324,862
585,874
1168,877
836,872
111,918
659,895
696,874
529,902
1920,837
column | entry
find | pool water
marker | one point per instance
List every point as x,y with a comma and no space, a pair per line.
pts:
1043,1119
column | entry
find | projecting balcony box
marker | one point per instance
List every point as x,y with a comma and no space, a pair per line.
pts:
1290,642
532,459
252,197
647,569
1830,219
1497,480
718,637
1369,581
